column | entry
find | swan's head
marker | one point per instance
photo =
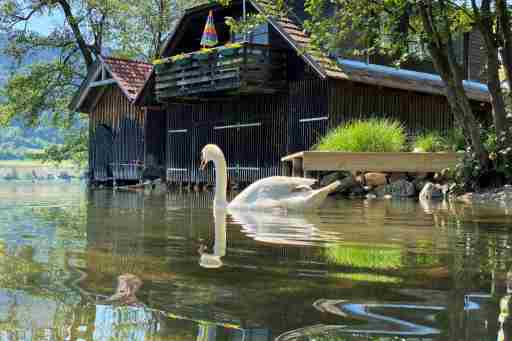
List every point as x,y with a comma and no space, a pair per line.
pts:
209,261
210,152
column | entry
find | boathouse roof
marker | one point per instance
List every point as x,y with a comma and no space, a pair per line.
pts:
129,75
290,28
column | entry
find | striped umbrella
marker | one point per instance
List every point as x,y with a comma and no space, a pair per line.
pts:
209,38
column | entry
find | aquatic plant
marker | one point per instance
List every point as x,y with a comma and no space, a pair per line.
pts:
373,135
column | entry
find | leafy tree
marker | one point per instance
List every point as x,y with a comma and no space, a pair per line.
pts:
390,26
132,28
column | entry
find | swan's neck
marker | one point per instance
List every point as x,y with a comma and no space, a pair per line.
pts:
221,182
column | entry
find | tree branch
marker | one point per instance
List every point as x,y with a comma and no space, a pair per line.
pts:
73,23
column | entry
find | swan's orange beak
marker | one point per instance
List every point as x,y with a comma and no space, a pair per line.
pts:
203,164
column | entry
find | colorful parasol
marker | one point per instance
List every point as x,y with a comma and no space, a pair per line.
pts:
209,38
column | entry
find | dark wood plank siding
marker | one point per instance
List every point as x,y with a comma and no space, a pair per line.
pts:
418,112
308,114
154,135
254,132
116,138
250,130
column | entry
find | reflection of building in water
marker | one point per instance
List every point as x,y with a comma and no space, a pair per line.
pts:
124,323
158,242
157,238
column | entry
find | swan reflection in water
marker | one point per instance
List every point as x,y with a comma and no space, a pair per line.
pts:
214,260
280,227
272,227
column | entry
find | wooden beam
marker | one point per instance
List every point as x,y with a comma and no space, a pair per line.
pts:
97,99
377,162
102,83
85,91
298,167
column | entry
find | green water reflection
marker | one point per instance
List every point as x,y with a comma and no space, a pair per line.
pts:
245,275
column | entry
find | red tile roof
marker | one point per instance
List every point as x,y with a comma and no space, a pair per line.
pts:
131,75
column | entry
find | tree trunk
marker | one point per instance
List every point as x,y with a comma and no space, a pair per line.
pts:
451,74
485,26
505,31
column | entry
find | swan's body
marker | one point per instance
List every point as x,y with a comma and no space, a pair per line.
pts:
273,192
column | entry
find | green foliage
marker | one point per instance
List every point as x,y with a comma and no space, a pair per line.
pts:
500,152
434,141
17,142
430,142
269,9
391,28
363,257
74,148
38,88
374,135
43,86
469,175
455,140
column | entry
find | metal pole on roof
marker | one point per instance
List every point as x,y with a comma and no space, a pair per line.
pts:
244,5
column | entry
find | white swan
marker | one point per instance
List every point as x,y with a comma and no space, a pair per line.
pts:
274,192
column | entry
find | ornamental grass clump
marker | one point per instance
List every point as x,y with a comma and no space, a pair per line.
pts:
430,142
374,135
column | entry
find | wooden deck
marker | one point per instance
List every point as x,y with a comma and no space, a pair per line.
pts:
248,69
300,164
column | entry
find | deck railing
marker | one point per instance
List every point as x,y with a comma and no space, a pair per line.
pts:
243,69
127,171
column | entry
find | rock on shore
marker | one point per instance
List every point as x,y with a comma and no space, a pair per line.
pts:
501,196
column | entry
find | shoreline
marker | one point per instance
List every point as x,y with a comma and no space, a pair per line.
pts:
501,196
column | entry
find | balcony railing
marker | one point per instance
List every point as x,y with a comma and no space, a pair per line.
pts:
243,68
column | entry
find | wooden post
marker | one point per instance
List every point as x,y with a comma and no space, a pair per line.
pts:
297,169
286,168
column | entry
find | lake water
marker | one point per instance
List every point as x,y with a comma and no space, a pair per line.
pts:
356,270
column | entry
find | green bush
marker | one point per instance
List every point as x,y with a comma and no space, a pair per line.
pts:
374,135
452,141
430,142
455,140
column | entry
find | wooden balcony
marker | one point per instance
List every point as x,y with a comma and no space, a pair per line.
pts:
223,71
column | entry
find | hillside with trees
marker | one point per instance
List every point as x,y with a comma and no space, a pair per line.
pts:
18,141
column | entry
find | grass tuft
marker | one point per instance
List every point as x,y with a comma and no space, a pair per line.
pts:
452,141
374,135
430,142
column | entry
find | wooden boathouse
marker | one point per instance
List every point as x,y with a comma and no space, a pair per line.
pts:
273,94
259,96
116,125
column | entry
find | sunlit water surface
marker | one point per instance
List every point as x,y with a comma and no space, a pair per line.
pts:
356,270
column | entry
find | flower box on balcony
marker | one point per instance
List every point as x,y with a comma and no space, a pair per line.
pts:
159,68
182,59
228,52
203,54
